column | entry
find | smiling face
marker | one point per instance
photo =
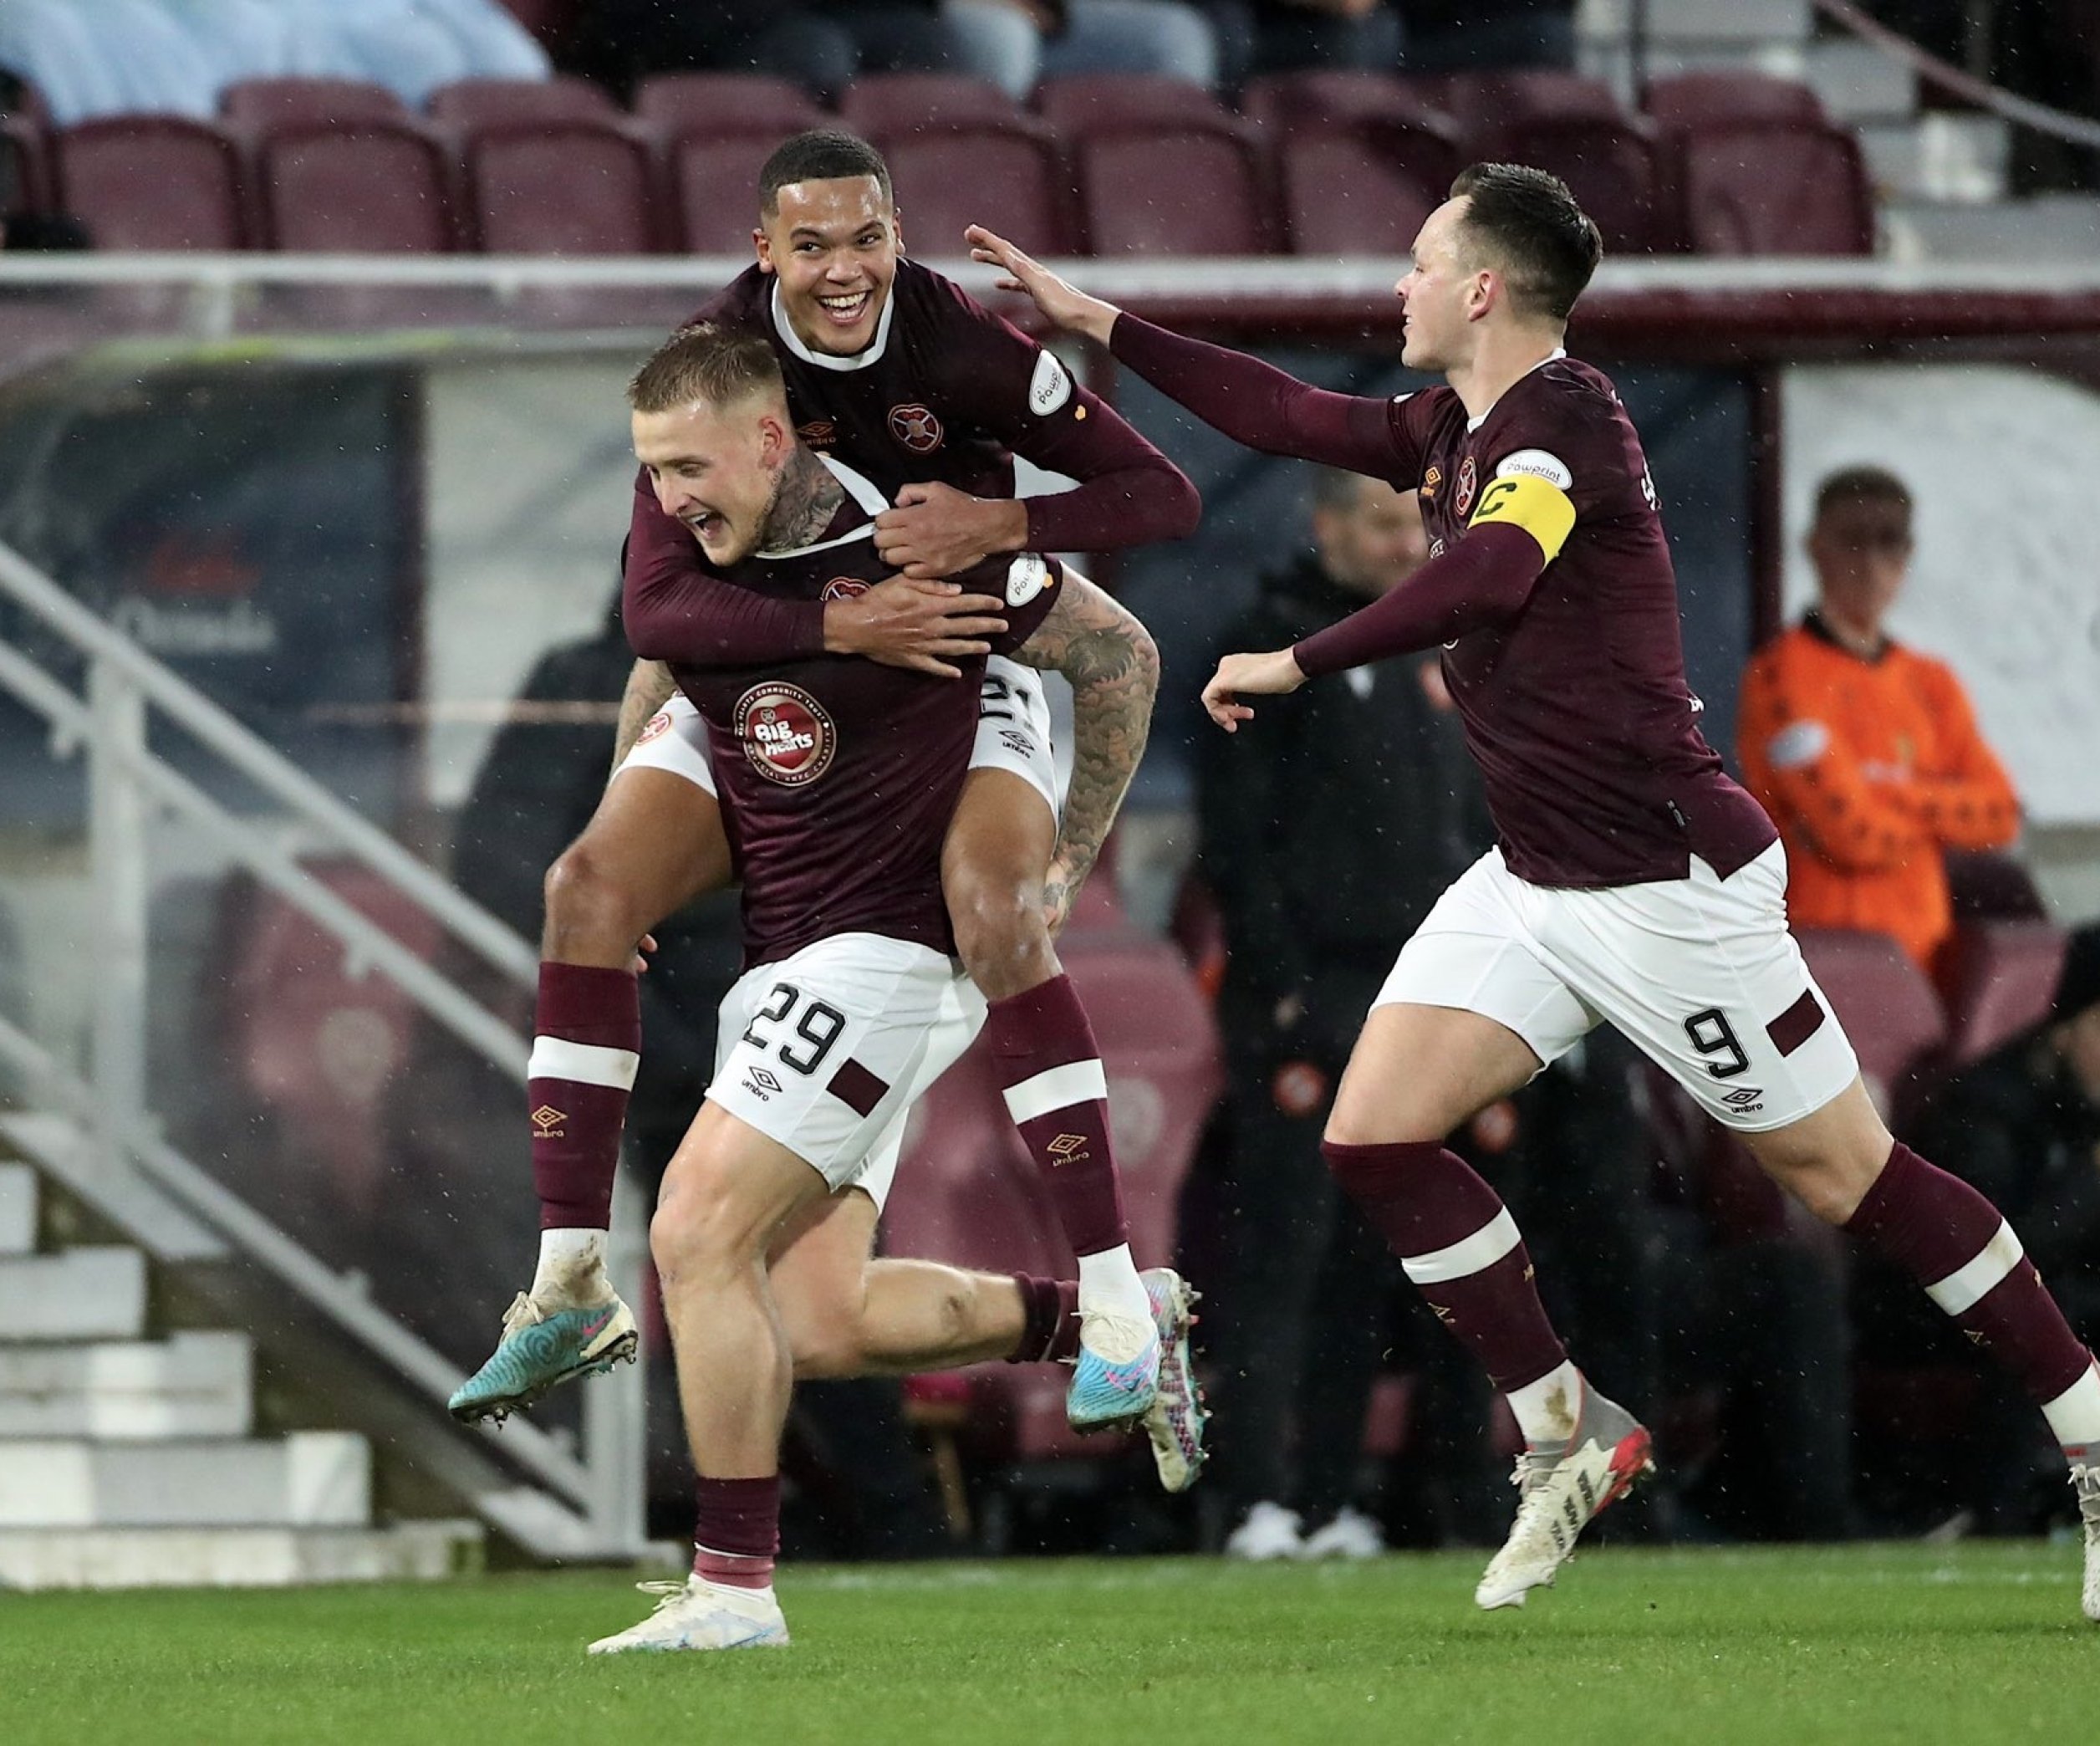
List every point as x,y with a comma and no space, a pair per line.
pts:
717,469
832,245
1442,295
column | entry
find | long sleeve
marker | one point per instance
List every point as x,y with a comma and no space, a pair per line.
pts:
1484,579
675,611
1267,408
1970,802
1811,780
1129,493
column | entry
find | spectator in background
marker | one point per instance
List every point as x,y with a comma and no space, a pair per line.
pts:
1468,36
2023,1126
1866,753
1284,36
1018,42
820,44
1325,838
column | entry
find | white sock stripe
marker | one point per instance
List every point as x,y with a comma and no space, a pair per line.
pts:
1468,1255
582,1064
2082,1399
1057,1088
1968,1284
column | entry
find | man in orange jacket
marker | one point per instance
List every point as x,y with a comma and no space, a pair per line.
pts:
1866,754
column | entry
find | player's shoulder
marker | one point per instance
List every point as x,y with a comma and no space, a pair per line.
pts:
741,303
925,296
1563,393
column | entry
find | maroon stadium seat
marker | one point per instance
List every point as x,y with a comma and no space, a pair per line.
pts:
1882,999
1327,98
471,102
1689,101
1480,102
366,187
897,104
560,187
687,104
1774,188
1182,188
1007,174
1999,977
1364,191
27,142
1610,163
1076,105
967,1193
262,102
1988,885
151,182
714,189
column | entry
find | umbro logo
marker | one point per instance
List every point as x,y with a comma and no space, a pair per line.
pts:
549,1123
1067,1148
764,1080
1743,1097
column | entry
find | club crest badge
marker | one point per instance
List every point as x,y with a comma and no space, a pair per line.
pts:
915,427
1468,481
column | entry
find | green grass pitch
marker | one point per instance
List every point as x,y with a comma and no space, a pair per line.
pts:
1915,1644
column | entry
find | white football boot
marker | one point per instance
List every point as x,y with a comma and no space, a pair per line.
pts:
696,1614
2085,1477
1269,1532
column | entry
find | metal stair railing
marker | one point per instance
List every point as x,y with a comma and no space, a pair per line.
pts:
600,1501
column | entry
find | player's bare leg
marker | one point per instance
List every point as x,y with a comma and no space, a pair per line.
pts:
728,1191
654,843
1416,1073
993,864
1842,1163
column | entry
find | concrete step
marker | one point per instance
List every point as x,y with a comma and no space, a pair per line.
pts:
1961,159
77,1293
1700,21
18,1209
191,1385
1859,83
310,1479
104,1558
2044,230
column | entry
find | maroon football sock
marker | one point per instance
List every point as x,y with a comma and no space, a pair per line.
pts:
1050,1330
1049,1067
1459,1245
736,1535
586,1046
1958,1246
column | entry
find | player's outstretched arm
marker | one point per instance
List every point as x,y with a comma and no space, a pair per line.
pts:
1274,673
1113,668
1249,401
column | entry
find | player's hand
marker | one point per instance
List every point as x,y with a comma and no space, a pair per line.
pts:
1060,891
647,945
908,623
1062,305
936,530
1274,674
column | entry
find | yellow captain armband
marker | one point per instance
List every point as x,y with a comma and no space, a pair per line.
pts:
1537,506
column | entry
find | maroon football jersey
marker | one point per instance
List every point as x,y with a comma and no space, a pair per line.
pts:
837,776
1578,711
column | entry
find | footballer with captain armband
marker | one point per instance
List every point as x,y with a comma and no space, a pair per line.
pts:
1632,882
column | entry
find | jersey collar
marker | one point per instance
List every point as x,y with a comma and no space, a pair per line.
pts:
1474,424
863,492
824,360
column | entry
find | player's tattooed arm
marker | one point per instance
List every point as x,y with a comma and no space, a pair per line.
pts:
648,688
1114,668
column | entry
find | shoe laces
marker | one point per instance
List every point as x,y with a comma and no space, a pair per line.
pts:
523,1313
668,1594
2085,1479
1117,1339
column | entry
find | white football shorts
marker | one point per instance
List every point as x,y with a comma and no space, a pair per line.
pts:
1013,734
1700,973
827,1050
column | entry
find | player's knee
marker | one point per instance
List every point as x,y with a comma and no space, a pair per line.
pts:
1000,932
588,907
701,1229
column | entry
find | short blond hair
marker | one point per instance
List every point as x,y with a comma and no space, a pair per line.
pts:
706,365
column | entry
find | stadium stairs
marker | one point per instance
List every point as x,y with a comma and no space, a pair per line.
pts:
134,1451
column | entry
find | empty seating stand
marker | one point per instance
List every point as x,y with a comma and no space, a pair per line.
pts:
367,187
151,182
573,186
1004,173
473,103
254,103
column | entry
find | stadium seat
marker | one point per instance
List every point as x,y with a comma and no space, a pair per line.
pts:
714,188
263,102
1081,102
1999,978
1611,163
1183,187
1889,1009
151,182
1364,191
1986,884
1478,103
895,105
1325,100
688,105
367,187
1689,101
474,103
26,141
946,179
574,187
1774,188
